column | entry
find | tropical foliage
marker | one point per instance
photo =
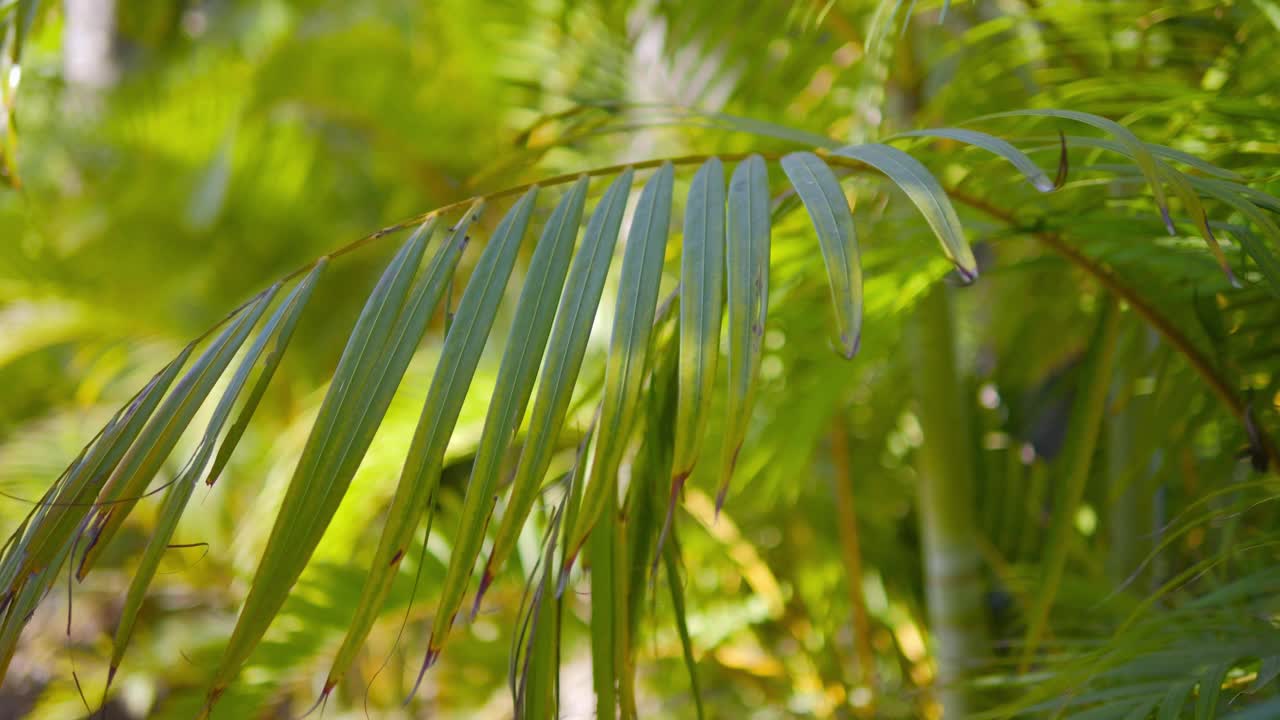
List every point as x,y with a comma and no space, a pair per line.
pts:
816,359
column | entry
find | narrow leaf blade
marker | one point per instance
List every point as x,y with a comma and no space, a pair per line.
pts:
670,556
628,350
530,328
289,313
824,199
569,335
349,415
129,481
747,288
275,333
1137,149
701,308
923,189
1037,177
428,292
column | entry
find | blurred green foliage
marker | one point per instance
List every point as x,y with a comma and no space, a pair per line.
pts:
237,141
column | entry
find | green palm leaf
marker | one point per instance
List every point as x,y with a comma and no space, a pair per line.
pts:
1037,177
565,351
628,350
725,255
832,220
919,185
127,484
531,326
1138,150
747,286
701,308
461,352
276,332
352,409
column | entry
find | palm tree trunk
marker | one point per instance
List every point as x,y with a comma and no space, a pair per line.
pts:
1125,526
953,573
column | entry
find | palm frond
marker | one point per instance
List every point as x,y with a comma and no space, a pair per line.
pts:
725,254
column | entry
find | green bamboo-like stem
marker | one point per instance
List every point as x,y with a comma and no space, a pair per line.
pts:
1077,458
1127,515
851,554
953,574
